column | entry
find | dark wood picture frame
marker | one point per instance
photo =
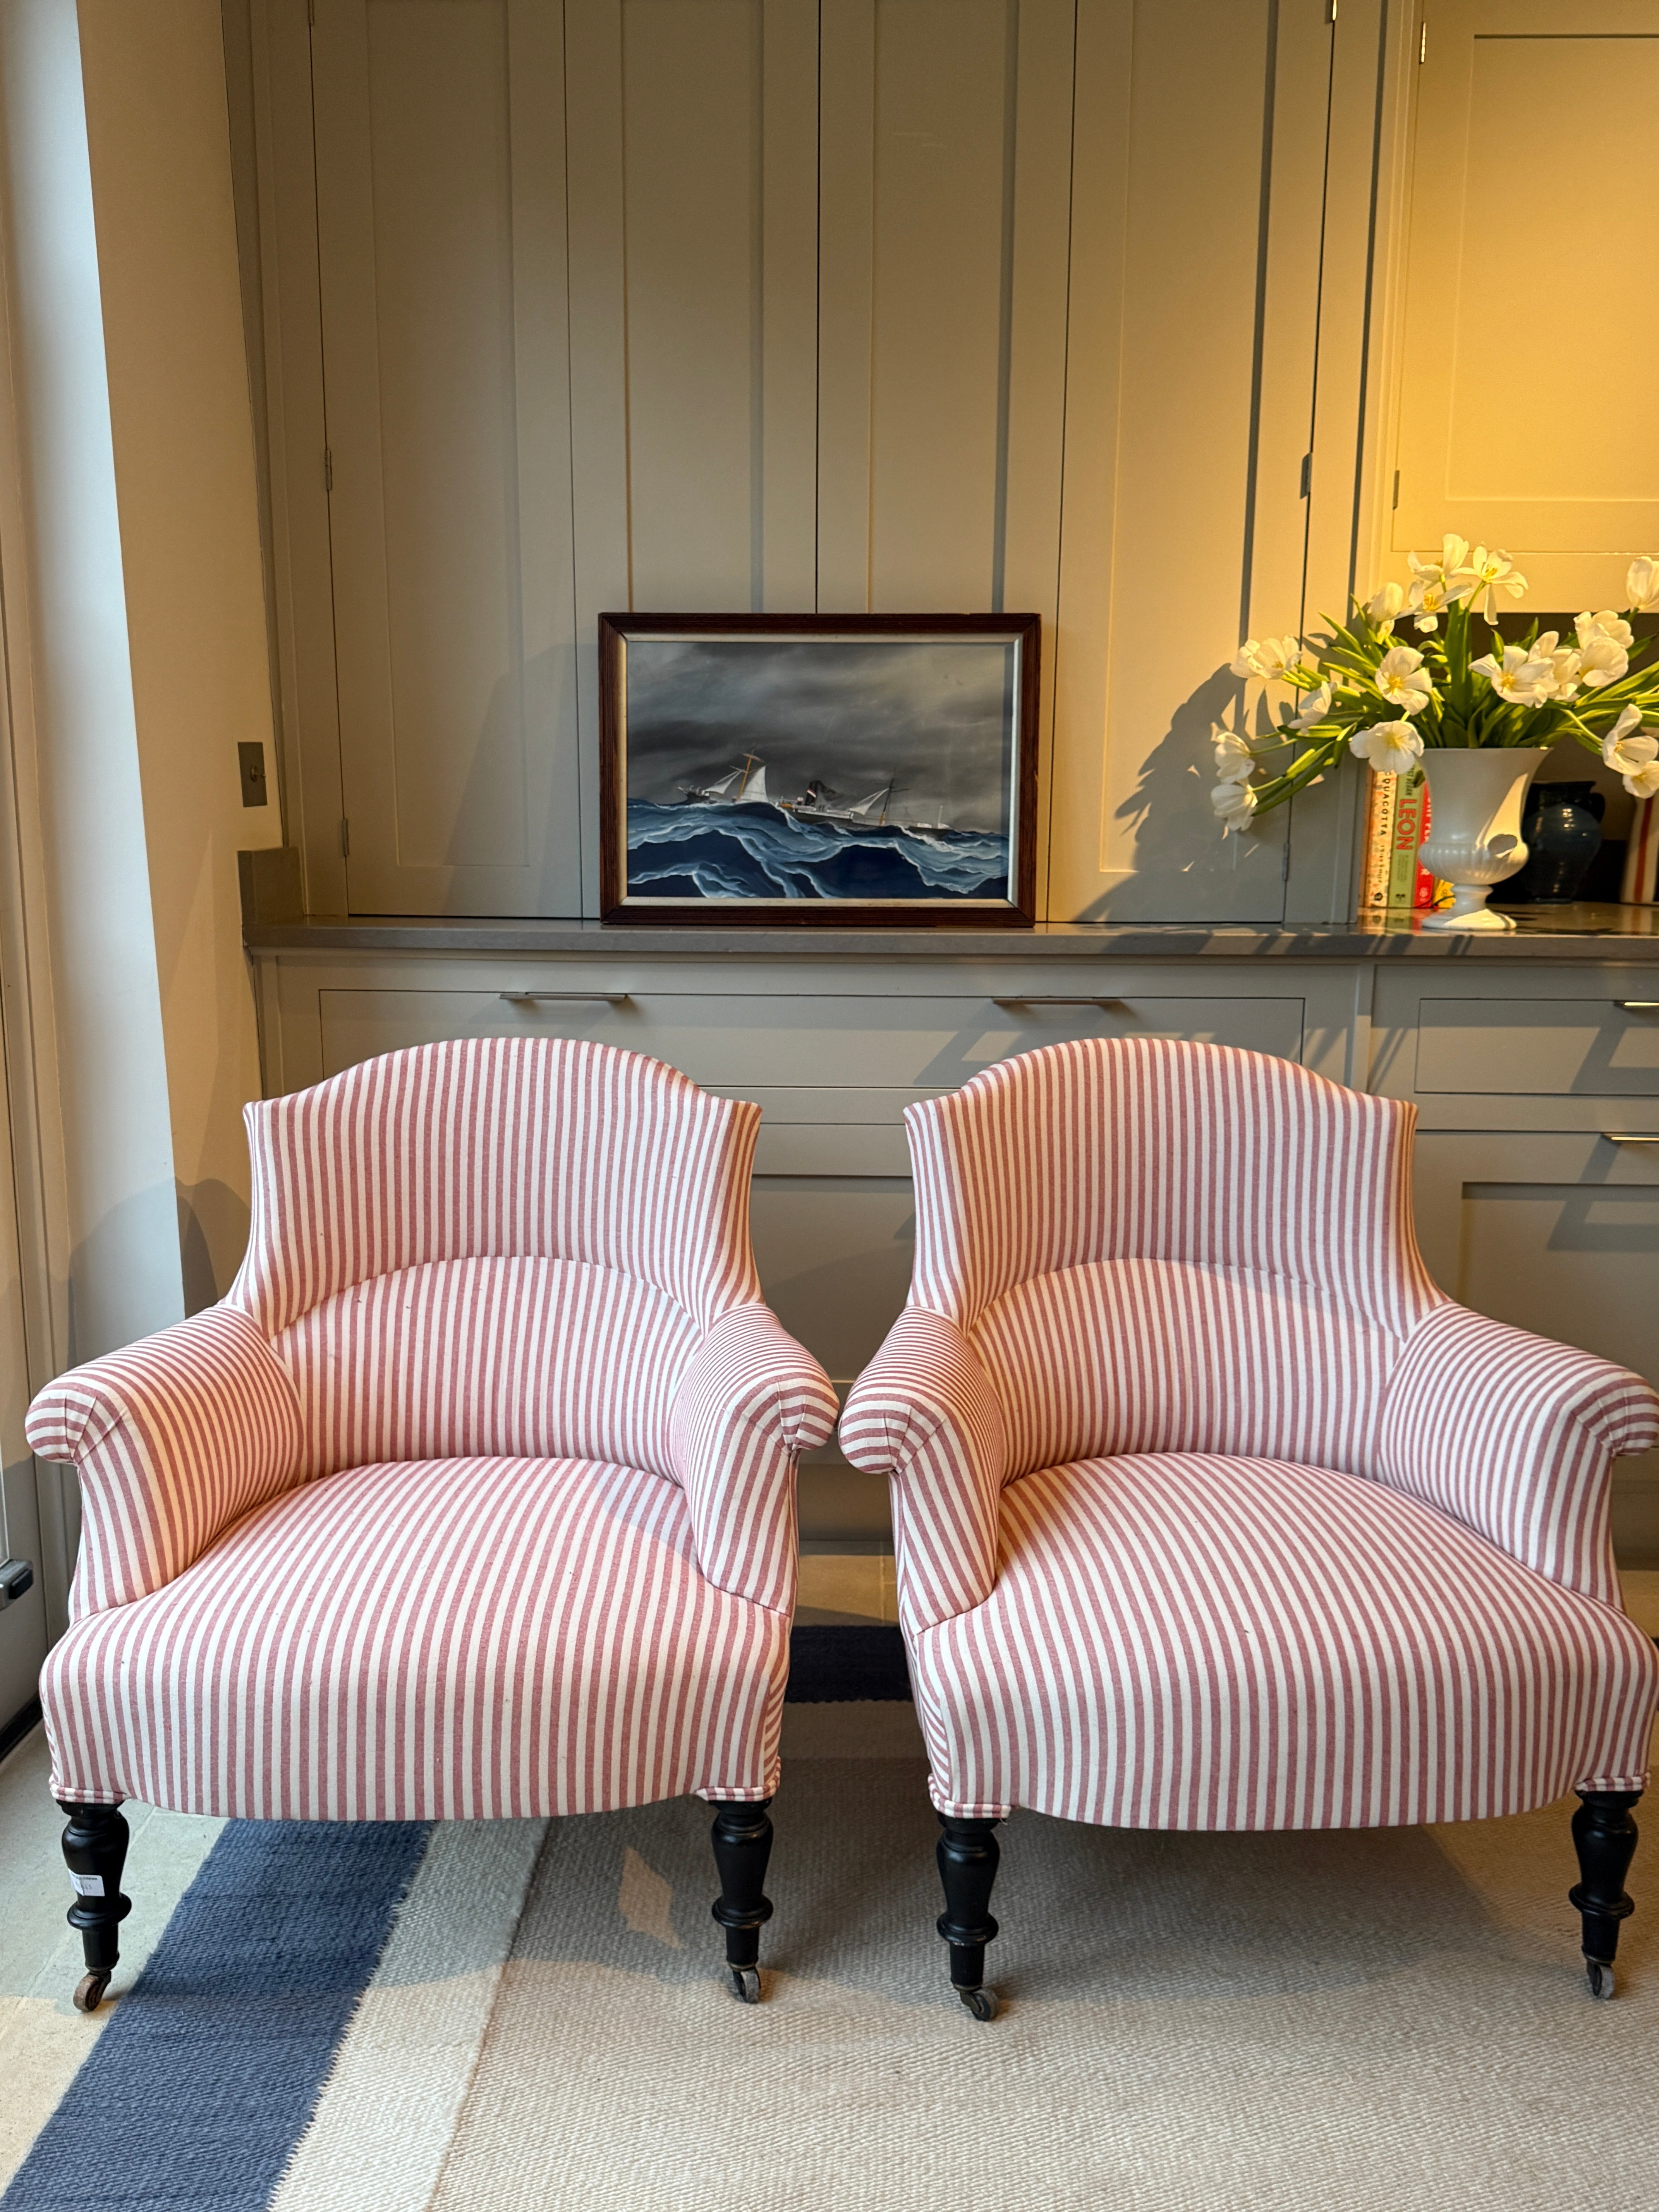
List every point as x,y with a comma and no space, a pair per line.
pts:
617,631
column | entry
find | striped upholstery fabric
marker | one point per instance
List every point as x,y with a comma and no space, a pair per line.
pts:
1167,1355
925,1408
1178,1640
476,1493
749,1405
173,1438
488,1356
529,1148
1513,1434
1173,1401
1145,1148
459,1639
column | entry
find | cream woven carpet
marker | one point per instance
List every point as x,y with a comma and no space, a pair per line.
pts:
1386,2020
1380,2019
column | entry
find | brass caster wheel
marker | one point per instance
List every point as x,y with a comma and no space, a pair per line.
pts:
745,1984
1602,1981
89,1990
982,2002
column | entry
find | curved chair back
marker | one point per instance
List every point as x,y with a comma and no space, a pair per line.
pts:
1156,1245
464,1247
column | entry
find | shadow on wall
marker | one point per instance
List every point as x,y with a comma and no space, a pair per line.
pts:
124,1275
1184,870
213,1224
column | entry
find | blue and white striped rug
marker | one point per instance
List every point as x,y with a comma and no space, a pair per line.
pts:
203,2081
522,2015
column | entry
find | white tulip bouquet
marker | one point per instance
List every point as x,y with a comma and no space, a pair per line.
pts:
1385,702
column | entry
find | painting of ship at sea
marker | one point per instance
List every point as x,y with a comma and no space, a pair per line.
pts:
743,786
875,764
821,804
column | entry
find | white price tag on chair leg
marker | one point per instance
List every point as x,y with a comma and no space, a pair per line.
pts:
88,1885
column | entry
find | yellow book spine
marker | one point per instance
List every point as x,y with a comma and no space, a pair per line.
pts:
1407,836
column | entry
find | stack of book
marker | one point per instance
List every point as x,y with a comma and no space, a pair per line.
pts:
1393,879
1641,884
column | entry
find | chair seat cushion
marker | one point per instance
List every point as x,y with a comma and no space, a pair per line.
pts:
1180,1640
444,1639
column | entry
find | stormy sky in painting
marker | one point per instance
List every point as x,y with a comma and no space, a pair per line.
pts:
935,716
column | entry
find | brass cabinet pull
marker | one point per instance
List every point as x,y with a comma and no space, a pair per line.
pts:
1621,1137
1640,1005
1010,1004
567,998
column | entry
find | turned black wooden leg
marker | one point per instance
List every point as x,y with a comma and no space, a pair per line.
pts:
95,1850
743,1843
968,1856
1605,1834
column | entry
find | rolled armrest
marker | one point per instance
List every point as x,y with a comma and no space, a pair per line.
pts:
750,1403
1515,1436
925,1411
174,1438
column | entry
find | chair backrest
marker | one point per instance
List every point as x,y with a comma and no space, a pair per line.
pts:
498,1244
1163,1246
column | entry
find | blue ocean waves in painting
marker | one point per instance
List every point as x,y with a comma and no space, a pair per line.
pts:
743,852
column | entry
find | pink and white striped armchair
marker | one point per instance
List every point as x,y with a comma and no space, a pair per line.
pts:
1212,1511
473,1498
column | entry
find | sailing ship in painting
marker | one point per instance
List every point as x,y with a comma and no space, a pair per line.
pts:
742,786
820,802
731,836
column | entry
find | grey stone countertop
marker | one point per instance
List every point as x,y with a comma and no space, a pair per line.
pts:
1553,932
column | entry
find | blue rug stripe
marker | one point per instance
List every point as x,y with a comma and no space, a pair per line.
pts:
831,1664
194,2096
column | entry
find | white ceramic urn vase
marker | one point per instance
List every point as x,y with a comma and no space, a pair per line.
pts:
1476,798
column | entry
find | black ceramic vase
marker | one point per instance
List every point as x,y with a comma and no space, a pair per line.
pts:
1562,828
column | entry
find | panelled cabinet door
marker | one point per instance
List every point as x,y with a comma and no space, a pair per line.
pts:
693,155
944,190
693,199
818,300
441,221
1532,288
1202,162
946,171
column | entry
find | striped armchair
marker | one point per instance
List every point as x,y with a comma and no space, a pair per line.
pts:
1212,1511
473,1498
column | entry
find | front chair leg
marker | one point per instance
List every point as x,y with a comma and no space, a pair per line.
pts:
968,1859
1605,1835
742,1838
95,1850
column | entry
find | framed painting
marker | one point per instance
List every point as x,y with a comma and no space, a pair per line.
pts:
842,769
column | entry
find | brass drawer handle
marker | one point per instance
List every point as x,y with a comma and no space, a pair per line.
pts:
1640,1005
1619,1137
567,998
1012,1003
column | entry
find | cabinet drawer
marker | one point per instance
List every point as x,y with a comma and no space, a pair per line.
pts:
747,1041
1588,1048
832,1148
